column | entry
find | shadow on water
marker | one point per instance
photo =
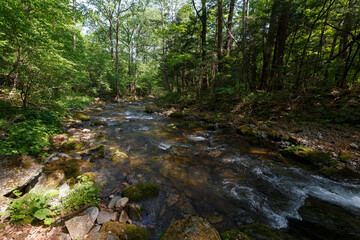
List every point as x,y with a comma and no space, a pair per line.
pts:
215,174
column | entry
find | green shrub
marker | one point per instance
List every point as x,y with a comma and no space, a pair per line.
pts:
84,193
32,207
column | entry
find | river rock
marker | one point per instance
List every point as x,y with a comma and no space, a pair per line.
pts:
323,220
123,216
72,144
79,226
17,171
101,236
127,231
134,211
121,203
4,204
119,157
260,231
354,145
306,155
105,216
93,212
47,181
194,227
56,156
82,116
113,201
141,191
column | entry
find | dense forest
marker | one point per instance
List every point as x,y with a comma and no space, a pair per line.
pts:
114,48
236,116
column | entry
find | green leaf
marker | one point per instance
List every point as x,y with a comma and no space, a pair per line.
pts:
42,213
48,221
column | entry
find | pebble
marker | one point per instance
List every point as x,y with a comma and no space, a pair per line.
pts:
113,201
121,203
354,145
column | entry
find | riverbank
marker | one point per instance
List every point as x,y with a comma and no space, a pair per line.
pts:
325,121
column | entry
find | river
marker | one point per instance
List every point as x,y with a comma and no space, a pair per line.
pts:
216,174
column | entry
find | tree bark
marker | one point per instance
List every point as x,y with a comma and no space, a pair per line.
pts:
219,35
229,27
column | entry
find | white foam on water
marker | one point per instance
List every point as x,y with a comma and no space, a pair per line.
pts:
196,138
164,146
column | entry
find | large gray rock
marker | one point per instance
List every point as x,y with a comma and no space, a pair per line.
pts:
79,226
104,217
17,171
4,204
93,212
47,181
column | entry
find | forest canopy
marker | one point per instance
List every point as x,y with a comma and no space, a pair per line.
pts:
55,48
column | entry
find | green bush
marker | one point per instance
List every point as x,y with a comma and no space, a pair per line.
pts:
84,193
32,207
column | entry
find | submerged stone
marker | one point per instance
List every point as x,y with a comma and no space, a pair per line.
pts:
99,123
194,227
306,155
141,191
340,174
119,157
324,220
127,231
135,211
261,231
234,235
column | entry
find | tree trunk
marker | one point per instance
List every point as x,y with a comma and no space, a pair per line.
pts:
229,28
270,41
117,97
219,35
74,19
279,50
136,61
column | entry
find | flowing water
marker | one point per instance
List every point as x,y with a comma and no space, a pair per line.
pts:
216,174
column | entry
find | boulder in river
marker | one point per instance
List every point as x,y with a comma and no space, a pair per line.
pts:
176,115
246,130
306,155
141,191
323,220
17,171
127,231
71,144
194,227
134,211
260,231
151,109
119,157
82,116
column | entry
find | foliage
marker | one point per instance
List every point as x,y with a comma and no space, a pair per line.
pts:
30,132
84,193
32,206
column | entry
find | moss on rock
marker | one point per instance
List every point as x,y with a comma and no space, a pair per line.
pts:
126,231
72,145
151,109
246,130
134,211
340,174
119,157
194,227
82,116
98,152
234,235
176,115
101,236
99,123
345,156
90,176
261,231
141,191
306,155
